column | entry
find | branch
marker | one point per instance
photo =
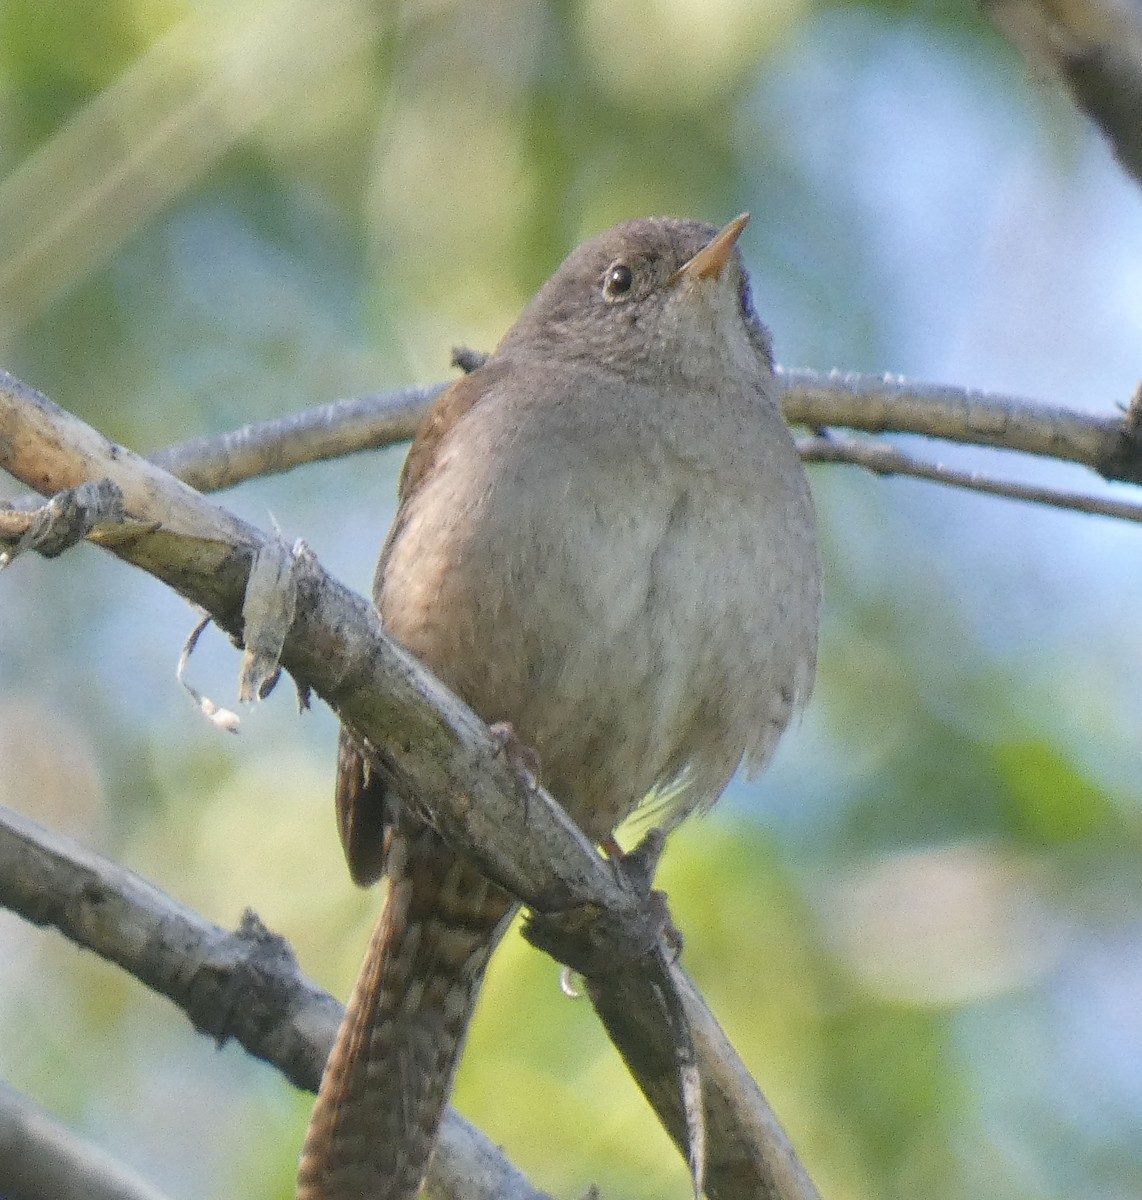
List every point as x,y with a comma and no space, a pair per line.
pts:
244,986
1112,446
40,1159
882,459
873,404
207,555
891,404
751,1155
1095,48
437,750
210,464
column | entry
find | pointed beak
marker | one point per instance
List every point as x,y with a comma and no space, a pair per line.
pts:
709,261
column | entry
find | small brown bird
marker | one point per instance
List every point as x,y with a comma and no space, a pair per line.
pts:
606,540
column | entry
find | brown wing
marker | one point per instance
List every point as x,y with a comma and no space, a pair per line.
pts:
442,414
364,810
362,816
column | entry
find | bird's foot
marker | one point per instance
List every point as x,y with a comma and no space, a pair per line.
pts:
637,868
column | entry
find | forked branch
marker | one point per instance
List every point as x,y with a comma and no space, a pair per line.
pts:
439,751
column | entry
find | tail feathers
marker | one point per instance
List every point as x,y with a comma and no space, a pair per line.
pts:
390,1073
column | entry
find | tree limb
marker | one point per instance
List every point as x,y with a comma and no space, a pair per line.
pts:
436,749
244,986
890,404
1095,48
1109,445
40,1159
210,464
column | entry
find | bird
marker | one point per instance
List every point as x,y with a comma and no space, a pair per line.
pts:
605,543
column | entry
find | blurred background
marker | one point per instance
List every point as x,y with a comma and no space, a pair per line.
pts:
923,926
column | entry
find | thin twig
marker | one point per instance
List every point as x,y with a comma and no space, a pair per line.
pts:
883,459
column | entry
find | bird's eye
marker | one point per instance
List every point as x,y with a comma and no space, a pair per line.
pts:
617,281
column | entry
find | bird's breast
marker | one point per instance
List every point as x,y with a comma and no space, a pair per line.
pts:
633,610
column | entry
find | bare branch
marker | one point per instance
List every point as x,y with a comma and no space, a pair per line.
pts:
210,464
883,459
748,1153
1095,48
890,404
872,404
1110,445
206,554
244,985
40,1159
436,749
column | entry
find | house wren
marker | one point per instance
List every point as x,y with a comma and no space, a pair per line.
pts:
605,539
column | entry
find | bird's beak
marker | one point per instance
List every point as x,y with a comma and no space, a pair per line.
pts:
709,261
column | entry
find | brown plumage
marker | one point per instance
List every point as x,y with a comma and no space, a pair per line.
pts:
605,539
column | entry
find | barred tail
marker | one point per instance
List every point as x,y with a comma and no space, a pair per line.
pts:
390,1073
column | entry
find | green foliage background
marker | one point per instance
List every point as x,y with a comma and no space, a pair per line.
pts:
923,927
